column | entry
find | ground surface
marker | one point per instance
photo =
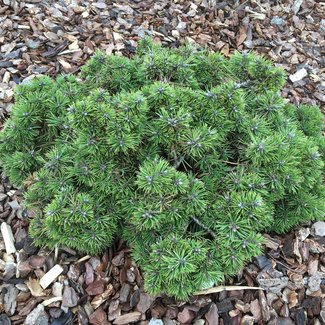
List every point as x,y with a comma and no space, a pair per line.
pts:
50,37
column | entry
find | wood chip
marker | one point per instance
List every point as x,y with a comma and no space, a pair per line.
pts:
95,288
51,300
296,6
8,238
70,297
256,310
35,288
82,259
128,318
225,288
28,307
99,317
73,46
50,276
57,288
271,242
241,36
66,65
37,316
98,300
300,74
9,300
212,316
144,302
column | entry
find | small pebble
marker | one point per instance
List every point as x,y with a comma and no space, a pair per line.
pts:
277,21
32,44
14,205
37,316
303,233
5,320
181,26
319,228
155,321
199,322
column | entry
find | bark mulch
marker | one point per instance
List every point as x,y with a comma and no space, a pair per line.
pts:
57,287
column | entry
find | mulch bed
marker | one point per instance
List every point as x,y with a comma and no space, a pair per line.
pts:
51,37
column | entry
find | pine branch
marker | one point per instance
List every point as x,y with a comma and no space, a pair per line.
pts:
206,228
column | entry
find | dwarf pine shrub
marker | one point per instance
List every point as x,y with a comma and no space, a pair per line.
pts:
185,154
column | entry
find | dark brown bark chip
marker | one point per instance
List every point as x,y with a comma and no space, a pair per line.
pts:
29,247
144,302
135,297
185,316
300,316
212,316
158,310
89,274
24,269
225,306
125,291
311,302
128,318
99,317
37,261
28,307
96,287
74,272
118,260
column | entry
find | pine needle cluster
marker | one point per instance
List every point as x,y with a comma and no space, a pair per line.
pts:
185,154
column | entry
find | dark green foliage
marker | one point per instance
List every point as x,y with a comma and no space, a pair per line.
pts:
187,155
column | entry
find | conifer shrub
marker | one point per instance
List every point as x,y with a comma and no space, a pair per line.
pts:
185,154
